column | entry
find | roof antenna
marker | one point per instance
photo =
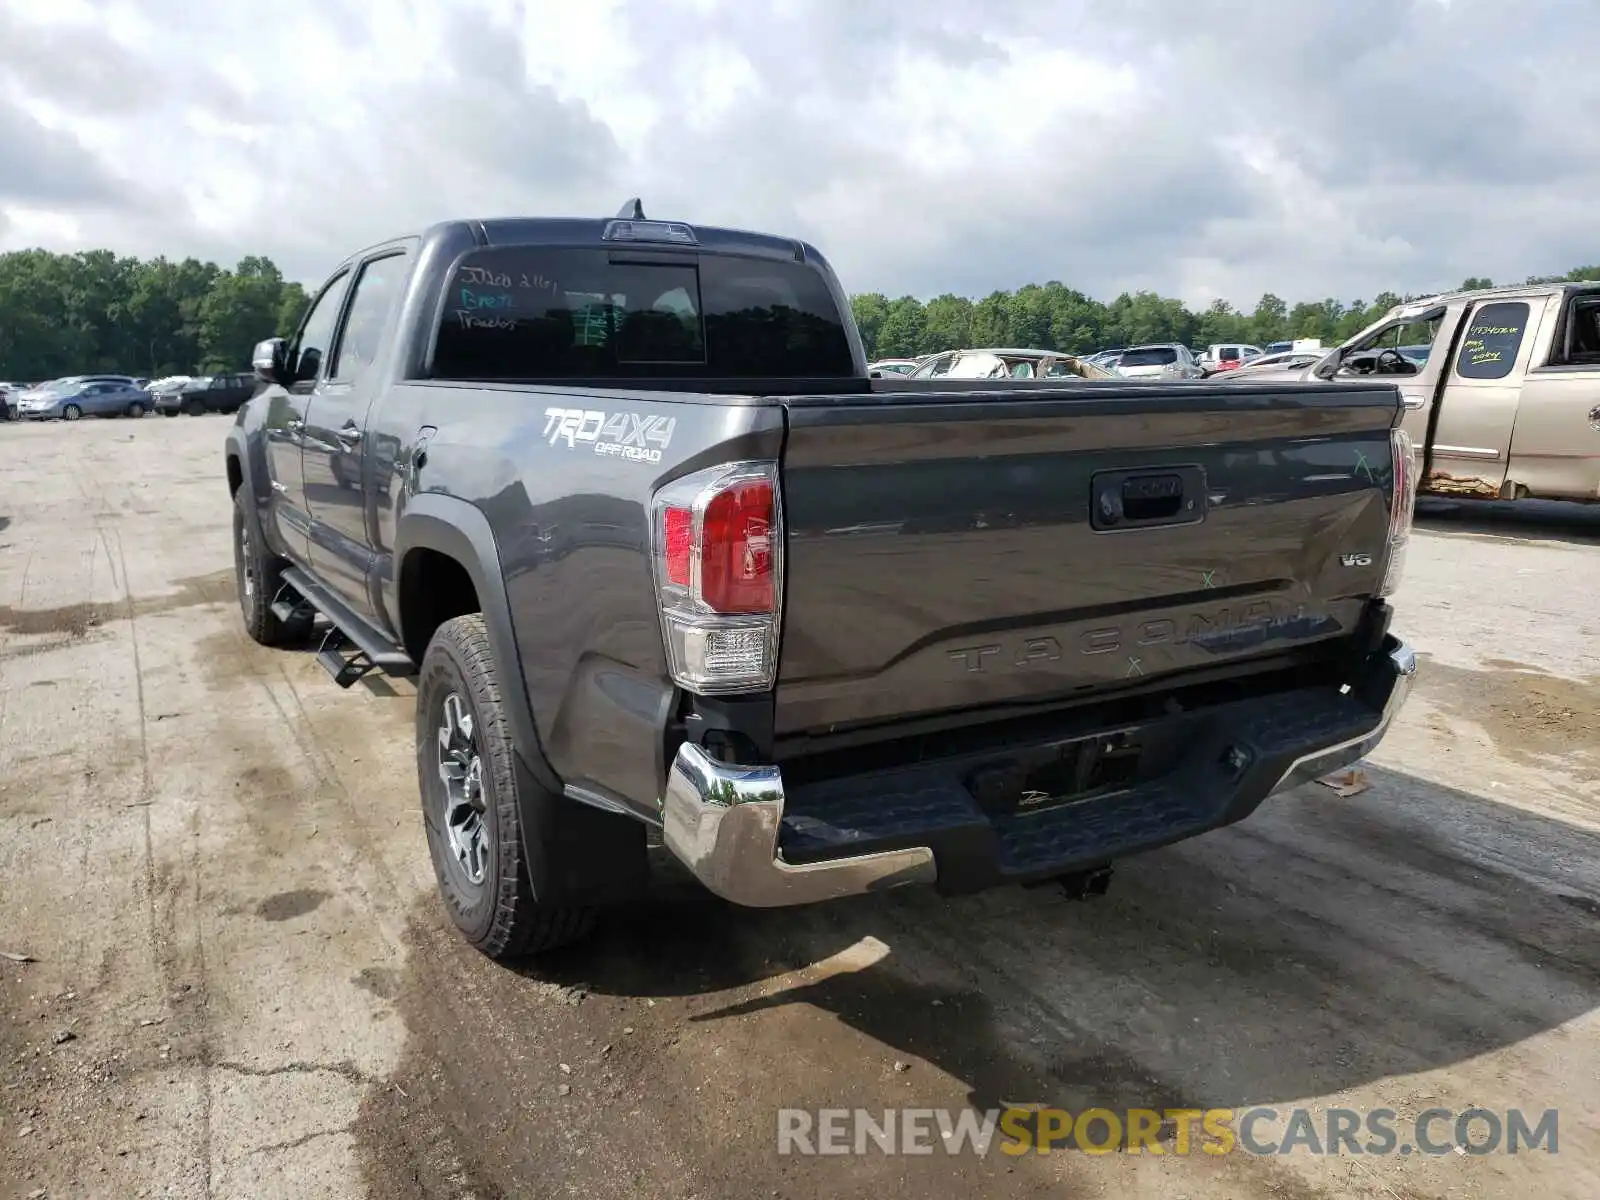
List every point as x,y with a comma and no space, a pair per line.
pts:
633,210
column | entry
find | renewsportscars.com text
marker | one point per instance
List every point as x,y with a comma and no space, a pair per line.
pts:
1179,1131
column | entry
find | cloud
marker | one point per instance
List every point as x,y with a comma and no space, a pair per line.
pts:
1205,148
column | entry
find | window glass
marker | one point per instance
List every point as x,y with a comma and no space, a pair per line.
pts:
317,330
558,313
1149,356
1493,337
1583,335
370,304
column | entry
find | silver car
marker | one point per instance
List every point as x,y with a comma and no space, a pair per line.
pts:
84,396
1161,360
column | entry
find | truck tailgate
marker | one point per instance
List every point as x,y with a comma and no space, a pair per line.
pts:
969,549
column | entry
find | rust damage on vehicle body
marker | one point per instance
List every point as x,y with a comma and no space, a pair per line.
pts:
1442,483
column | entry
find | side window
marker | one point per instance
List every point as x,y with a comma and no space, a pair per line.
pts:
1581,345
316,331
370,304
1494,335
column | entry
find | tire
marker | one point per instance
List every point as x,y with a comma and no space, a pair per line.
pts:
480,866
168,412
136,409
258,574
71,412
194,408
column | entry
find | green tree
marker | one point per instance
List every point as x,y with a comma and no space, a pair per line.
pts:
903,325
1270,320
242,307
99,311
291,308
869,310
946,323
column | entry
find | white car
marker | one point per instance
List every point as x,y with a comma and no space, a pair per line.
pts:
1287,360
1228,356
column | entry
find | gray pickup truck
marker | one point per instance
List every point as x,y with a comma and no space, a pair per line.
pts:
622,498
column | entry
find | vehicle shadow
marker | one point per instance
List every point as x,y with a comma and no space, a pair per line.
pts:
1533,520
1322,945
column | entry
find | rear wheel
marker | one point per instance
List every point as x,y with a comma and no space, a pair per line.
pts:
470,801
136,409
258,575
193,407
71,412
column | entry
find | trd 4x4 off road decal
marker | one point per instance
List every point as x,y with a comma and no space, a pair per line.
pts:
638,437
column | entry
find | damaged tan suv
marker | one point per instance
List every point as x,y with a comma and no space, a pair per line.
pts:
1502,387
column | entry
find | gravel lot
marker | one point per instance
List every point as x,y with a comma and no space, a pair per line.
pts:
243,986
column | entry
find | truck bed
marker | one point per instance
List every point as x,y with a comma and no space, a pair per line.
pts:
950,547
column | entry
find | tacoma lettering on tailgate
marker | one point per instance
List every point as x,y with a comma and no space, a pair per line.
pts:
1221,629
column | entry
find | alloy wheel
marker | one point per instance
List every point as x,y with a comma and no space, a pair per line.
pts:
461,772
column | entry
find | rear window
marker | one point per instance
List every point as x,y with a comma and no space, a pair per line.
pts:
1152,356
525,313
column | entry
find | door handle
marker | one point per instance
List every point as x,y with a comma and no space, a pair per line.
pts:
349,434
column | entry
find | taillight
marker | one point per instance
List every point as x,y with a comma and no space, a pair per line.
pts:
1402,508
717,541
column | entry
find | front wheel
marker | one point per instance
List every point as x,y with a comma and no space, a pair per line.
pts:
71,412
136,409
194,408
470,801
169,412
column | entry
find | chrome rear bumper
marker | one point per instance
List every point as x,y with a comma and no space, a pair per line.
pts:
1402,661
722,822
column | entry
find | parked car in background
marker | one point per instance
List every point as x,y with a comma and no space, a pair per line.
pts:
1277,347
1008,363
8,401
1283,360
891,366
85,396
1501,388
1227,356
207,394
1164,360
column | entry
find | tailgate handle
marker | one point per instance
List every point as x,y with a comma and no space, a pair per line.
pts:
1152,497
1140,499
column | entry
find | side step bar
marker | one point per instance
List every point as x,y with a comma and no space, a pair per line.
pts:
352,648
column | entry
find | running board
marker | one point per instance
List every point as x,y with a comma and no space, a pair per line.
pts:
352,648
290,606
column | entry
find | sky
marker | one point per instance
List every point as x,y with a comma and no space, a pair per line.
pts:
1201,148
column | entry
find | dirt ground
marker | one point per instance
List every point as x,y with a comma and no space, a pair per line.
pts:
241,984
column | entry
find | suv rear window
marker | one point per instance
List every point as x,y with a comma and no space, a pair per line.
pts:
531,313
1150,356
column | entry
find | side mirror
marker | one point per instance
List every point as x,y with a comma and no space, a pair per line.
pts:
270,359
1328,366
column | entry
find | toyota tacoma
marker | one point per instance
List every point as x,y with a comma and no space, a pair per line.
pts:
622,498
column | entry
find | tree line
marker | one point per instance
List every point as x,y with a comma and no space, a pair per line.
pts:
1052,316
95,311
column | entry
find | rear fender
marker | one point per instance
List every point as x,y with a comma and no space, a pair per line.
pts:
576,854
